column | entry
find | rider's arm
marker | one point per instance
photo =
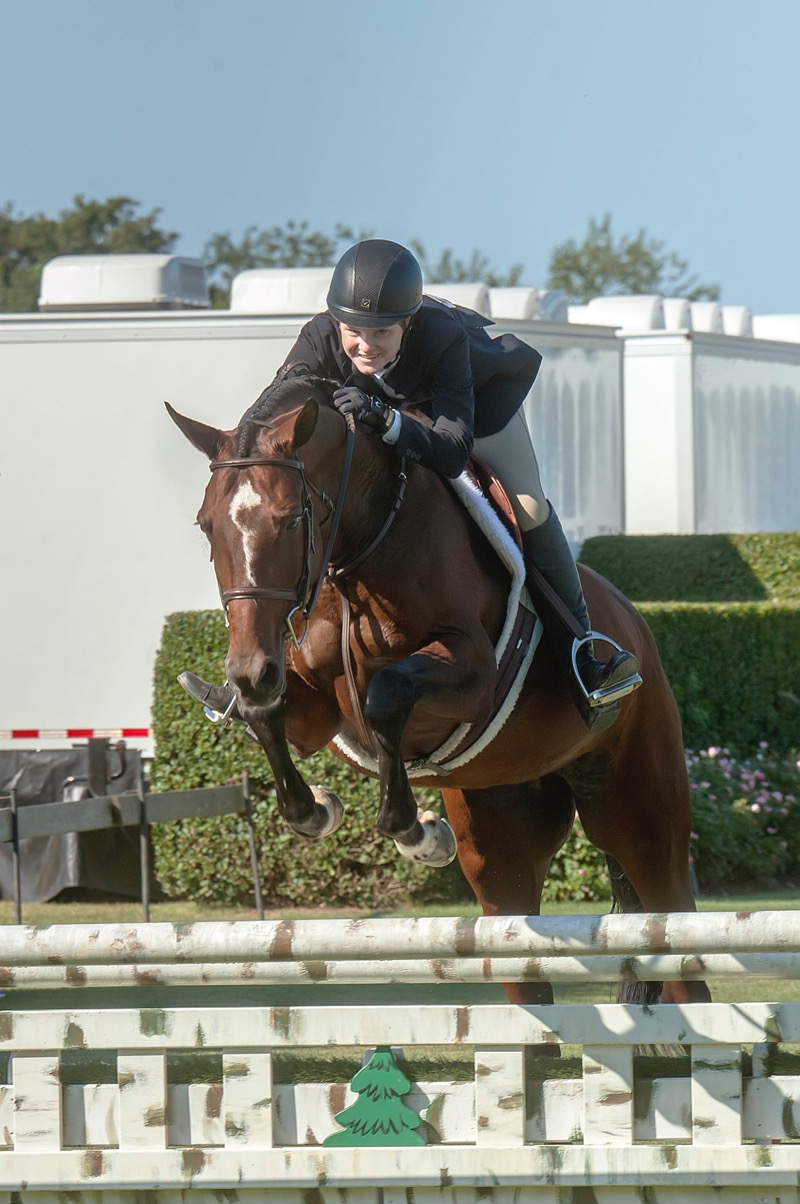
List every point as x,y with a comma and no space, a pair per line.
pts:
317,351
445,446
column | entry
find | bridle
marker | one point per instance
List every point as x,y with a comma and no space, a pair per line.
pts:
304,595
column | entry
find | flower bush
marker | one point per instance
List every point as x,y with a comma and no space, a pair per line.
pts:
746,818
745,830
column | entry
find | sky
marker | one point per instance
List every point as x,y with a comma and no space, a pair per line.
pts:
502,127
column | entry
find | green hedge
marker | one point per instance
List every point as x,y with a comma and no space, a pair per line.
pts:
207,860
700,568
731,646
731,653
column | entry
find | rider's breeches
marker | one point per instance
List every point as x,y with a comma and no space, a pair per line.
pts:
510,455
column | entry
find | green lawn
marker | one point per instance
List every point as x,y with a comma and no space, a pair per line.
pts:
187,913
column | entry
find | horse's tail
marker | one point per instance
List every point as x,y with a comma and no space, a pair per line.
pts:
627,900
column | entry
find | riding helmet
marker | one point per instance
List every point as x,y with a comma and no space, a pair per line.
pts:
375,283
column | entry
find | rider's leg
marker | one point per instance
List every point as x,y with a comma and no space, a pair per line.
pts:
511,455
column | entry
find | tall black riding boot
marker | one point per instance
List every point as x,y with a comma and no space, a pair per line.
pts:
598,685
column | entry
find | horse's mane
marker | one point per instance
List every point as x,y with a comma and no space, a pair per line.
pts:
273,402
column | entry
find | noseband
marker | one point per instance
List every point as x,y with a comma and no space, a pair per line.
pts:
304,596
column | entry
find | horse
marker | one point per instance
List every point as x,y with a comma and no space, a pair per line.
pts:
363,606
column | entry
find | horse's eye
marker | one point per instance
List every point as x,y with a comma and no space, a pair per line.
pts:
293,522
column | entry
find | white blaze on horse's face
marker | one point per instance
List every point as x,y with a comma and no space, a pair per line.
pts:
244,500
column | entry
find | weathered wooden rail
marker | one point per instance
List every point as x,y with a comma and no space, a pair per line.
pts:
106,1104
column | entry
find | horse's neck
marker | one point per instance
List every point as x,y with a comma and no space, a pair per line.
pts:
372,491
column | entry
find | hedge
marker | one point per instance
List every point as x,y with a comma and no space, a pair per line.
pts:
700,568
731,646
207,860
732,664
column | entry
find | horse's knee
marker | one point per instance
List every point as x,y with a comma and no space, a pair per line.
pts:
390,699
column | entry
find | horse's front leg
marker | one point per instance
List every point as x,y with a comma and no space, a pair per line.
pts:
310,811
442,680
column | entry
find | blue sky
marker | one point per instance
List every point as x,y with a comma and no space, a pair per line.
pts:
501,126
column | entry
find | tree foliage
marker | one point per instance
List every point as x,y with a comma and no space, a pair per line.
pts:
602,265
295,246
89,227
451,270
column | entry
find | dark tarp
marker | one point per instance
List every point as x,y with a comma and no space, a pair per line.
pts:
105,862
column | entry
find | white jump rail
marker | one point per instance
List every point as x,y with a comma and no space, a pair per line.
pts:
727,1128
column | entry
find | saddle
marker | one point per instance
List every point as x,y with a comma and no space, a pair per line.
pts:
495,495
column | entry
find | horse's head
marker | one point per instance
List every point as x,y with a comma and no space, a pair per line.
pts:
267,523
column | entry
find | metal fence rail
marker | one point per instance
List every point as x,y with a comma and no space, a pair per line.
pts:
141,810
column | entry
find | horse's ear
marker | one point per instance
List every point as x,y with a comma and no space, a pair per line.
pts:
306,423
292,430
205,438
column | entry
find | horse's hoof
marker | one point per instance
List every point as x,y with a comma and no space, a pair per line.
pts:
438,844
334,814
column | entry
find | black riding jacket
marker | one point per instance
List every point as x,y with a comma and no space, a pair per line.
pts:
468,383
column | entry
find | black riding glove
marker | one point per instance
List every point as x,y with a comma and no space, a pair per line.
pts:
373,414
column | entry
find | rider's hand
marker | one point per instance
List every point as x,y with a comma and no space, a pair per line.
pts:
373,414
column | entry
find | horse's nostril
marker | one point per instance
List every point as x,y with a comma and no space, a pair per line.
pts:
270,679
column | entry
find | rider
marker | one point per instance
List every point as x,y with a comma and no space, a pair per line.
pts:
389,346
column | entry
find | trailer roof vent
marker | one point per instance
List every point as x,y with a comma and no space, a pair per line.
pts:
276,291
633,314
85,283
707,317
738,320
784,328
471,296
677,313
528,304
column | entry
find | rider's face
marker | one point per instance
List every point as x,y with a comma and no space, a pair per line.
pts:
371,349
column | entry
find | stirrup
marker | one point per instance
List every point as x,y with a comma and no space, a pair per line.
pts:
605,694
223,718
226,719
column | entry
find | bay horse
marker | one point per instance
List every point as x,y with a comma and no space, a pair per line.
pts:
301,510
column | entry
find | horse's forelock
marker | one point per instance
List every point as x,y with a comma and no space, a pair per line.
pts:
274,401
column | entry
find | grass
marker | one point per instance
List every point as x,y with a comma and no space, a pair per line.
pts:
181,912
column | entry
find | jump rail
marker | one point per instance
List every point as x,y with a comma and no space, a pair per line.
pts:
107,1103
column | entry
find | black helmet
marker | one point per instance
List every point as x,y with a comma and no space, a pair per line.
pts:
375,283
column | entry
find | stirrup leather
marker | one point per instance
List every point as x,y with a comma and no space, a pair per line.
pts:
606,694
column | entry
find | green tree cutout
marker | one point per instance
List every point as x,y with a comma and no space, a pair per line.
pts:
379,1116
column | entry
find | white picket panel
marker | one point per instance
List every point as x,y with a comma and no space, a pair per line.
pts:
142,1100
247,1099
499,1097
303,1113
246,1139
37,1101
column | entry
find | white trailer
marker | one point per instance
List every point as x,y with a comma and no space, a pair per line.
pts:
642,425
98,490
